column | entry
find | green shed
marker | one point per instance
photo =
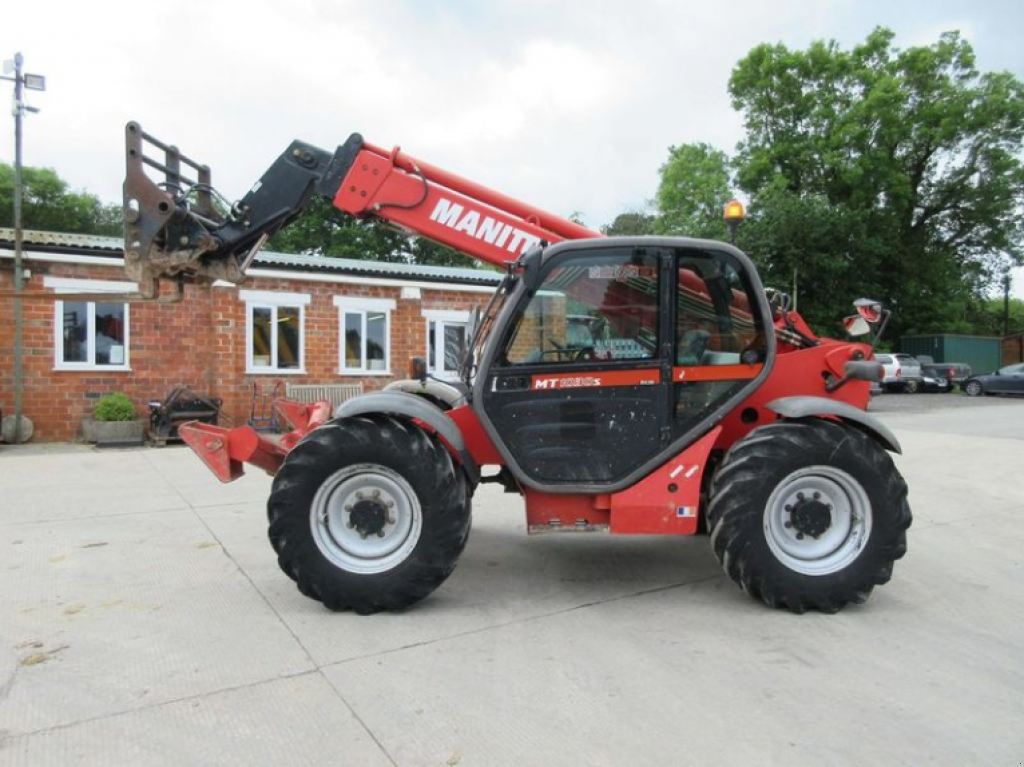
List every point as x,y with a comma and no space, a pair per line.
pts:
982,353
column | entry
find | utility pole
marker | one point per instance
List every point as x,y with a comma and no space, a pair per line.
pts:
37,83
1006,303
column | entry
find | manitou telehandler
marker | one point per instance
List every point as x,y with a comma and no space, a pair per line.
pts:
629,384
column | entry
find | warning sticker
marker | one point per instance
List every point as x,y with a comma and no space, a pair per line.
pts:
622,272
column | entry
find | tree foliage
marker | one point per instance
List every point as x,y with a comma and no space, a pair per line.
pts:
631,223
912,156
694,186
49,205
324,230
873,171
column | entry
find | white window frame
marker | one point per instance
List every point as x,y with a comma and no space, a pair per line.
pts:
441,318
99,287
263,299
362,306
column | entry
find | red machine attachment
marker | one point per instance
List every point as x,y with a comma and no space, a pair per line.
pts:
224,451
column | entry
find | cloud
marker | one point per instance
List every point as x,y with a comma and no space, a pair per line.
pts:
569,106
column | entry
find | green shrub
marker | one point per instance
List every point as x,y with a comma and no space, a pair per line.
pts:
114,407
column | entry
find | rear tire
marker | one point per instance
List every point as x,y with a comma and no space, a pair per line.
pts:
911,387
368,514
808,515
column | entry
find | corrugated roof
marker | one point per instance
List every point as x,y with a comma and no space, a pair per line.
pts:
113,246
380,268
65,239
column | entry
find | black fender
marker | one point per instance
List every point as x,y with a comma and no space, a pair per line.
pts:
809,407
408,407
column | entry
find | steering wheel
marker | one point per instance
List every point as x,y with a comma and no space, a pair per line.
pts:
573,353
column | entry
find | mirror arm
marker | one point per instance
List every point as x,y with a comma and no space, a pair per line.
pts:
881,329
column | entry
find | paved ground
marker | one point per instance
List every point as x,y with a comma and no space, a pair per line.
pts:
143,620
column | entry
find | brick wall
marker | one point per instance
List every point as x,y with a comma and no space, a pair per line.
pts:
199,343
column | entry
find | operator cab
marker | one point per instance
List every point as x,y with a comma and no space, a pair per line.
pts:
613,355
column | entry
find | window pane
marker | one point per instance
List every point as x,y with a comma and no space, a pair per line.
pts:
110,347
714,319
75,328
288,337
376,340
595,308
432,346
454,341
262,319
353,340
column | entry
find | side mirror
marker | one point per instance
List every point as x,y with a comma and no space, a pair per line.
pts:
856,325
869,309
872,313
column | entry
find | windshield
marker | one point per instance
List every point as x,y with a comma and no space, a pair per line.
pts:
474,349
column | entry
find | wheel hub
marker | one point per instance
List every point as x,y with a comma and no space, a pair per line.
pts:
817,520
810,517
368,517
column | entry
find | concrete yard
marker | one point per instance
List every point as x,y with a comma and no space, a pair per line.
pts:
143,620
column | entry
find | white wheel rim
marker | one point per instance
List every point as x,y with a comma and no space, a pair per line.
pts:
366,519
832,499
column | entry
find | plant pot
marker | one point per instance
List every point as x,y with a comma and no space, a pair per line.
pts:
113,431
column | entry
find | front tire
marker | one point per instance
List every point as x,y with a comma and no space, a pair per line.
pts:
368,513
808,515
973,389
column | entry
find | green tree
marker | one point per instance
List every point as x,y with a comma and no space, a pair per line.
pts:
324,230
48,205
695,185
987,317
426,251
632,223
917,149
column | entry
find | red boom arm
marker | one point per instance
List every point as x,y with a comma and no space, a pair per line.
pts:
447,208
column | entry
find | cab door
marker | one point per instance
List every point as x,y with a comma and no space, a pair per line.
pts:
579,393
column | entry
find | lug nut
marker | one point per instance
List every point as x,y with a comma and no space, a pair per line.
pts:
380,533
390,504
359,495
799,536
376,493
817,495
789,508
788,525
349,508
799,496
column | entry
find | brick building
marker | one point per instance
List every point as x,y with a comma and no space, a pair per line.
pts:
298,319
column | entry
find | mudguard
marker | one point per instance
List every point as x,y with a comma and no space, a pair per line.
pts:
413,407
431,389
808,407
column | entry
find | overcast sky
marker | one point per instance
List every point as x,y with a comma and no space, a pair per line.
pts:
570,106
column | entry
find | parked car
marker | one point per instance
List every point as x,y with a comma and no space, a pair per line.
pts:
934,383
1006,380
901,372
954,372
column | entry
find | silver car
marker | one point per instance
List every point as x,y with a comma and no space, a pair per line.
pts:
901,373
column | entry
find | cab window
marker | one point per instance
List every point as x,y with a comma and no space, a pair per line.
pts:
715,323
597,307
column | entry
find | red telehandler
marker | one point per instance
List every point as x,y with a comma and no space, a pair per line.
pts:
631,384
